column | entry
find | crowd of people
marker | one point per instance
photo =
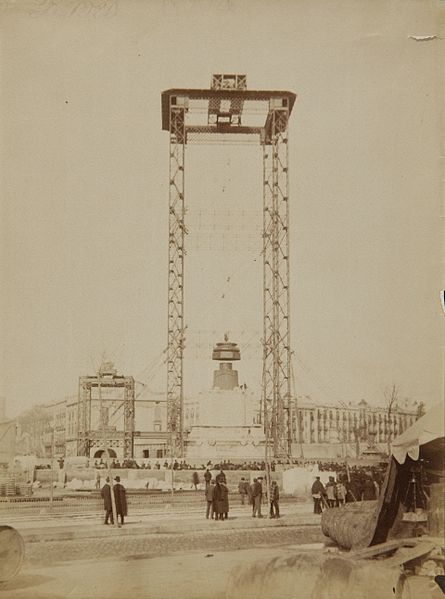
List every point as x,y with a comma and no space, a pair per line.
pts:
354,484
228,465
351,484
115,463
181,465
217,496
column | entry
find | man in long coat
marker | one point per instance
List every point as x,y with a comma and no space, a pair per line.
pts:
120,496
221,499
257,496
224,500
106,496
318,493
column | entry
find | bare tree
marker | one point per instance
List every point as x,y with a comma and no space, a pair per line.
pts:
391,395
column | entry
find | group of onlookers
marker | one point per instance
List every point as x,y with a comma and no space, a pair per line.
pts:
377,470
349,487
252,465
115,463
253,493
217,496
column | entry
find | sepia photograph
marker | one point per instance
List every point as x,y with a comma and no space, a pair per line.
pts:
222,305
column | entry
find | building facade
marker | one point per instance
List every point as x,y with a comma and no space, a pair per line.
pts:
339,430
223,422
53,430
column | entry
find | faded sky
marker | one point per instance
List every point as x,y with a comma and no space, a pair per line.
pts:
84,192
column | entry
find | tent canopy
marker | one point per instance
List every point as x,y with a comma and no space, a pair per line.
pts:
426,429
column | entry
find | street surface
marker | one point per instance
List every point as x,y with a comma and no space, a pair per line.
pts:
152,557
191,575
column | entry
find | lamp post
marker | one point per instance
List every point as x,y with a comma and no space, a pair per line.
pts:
51,486
172,444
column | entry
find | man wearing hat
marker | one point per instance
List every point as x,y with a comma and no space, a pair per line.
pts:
120,496
257,495
318,492
106,496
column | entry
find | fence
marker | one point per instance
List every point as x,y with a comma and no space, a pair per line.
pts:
91,503
142,498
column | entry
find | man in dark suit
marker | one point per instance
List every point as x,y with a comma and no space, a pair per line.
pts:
318,493
257,495
120,496
221,500
106,496
210,499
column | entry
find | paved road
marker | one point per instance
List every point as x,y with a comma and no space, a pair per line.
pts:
184,555
151,545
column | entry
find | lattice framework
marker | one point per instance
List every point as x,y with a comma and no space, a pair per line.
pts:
89,437
227,104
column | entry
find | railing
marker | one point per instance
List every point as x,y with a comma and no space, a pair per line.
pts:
91,503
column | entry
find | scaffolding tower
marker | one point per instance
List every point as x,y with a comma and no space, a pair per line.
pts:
99,433
233,110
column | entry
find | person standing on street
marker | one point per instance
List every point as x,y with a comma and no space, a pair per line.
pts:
243,490
274,499
251,488
220,498
120,496
195,480
257,495
340,493
207,477
106,496
224,500
210,499
330,492
318,492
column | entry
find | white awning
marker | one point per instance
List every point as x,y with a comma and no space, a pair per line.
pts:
426,429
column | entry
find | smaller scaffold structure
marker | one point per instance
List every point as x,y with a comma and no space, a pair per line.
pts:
106,413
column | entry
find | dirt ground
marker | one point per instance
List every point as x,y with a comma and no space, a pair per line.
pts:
192,575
